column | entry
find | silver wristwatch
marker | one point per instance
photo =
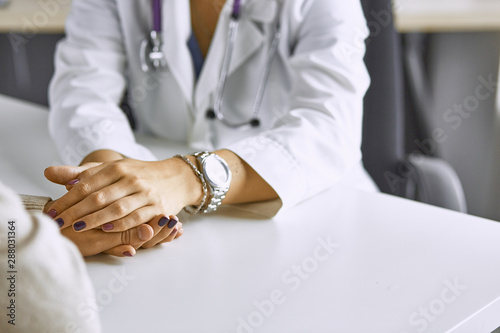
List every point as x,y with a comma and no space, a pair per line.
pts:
217,175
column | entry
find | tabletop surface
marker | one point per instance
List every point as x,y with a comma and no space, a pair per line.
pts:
345,261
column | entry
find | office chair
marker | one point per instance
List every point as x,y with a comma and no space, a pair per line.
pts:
415,176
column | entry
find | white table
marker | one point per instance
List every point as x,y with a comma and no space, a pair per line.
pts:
393,265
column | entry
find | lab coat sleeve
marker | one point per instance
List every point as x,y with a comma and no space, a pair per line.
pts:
88,85
318,141
47,288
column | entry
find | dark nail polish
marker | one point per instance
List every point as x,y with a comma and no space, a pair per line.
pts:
108,226
52,213
172,223
79,225
73,182
164,220
127,254
60,221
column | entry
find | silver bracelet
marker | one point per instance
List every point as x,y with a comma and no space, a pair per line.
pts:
193,209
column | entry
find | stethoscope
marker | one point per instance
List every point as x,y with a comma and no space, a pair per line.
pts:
153,59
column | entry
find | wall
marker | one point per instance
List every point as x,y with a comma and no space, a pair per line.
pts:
26,65
460,66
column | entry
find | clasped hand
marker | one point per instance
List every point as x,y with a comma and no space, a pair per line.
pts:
116,207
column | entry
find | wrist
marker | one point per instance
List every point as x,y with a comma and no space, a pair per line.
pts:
189,182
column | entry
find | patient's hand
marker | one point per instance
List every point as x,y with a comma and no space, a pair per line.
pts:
96,241
125,243
122,243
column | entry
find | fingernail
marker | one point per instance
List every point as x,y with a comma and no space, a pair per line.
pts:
164,220
172,223
79,225
60,221
52,213
73,182
108,226
127,254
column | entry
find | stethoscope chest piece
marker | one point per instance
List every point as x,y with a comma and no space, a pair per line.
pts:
151,53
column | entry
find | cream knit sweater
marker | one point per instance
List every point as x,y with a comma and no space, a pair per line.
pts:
44,285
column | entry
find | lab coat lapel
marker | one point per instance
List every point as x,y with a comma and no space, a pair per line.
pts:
249,40
176,27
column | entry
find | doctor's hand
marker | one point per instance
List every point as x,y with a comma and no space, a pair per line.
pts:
119,195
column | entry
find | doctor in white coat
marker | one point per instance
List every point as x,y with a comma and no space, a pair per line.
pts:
309,112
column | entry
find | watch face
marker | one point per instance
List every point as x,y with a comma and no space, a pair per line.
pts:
216,171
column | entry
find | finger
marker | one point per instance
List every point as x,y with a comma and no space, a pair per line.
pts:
81,191
96,241
122,251
103,212
171,237
46,208
135,236
180,232
168,232
89,169
135,218
62,174
160,227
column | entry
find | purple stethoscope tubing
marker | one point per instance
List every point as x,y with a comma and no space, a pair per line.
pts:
157,15
216,113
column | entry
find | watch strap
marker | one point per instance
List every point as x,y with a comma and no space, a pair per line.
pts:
217,194
193,209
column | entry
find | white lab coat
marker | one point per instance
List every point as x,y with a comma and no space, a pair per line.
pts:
311,115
